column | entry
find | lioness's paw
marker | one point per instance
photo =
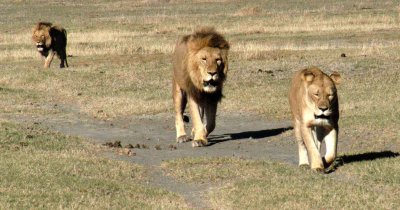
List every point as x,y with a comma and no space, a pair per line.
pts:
199,143
182,139
319,170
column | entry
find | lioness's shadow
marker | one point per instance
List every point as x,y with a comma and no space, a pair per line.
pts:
215,139
368,156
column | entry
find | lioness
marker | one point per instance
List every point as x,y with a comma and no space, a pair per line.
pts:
50,39
200,65
315,111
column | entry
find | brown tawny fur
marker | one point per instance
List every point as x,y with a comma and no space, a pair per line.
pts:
315,111
49,40
200,66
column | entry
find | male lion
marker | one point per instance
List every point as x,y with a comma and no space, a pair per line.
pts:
50,39
200,64
315,111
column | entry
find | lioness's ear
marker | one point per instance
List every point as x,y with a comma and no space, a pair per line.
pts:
337,79
308,76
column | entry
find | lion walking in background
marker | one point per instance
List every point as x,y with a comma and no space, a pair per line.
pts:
200,64
50,40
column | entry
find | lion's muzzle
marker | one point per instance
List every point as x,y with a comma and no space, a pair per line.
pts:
210,86
40,46
210,83
322,116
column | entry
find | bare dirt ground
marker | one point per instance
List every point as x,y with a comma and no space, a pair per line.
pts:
153,136
152,141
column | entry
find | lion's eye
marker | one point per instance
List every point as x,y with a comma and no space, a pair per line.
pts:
219,62
204,58
316,95
330,97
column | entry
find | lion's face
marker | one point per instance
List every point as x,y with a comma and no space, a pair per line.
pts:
321,95
42,39
211,66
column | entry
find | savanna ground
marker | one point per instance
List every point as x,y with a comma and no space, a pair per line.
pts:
53,122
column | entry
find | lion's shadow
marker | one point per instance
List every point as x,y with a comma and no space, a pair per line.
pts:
368,156
246,135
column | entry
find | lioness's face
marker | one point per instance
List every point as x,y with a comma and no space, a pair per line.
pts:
39,39
322,94
211,66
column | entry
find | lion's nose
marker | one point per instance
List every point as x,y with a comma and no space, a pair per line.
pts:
323,108
212,73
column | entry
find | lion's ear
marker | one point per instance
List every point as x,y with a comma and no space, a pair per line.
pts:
337,79
308,76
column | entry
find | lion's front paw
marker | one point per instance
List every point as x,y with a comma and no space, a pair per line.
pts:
199,143
182,139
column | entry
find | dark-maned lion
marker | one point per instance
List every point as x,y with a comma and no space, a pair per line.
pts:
50,39
200,64
315,111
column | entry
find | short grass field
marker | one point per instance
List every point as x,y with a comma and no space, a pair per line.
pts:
119,54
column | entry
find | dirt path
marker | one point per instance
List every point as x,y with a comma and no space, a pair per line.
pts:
238,135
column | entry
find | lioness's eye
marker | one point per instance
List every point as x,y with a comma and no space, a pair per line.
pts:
204,58
316,94
219,62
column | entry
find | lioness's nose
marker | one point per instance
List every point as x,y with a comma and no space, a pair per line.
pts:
323,108
212,73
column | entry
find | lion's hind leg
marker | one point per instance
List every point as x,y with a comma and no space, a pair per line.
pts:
62,55
180,101
64,62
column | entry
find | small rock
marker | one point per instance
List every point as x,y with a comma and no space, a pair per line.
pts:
116,144
172,147
343,55
269,71
157,147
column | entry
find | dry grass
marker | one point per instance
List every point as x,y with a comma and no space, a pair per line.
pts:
244,184
48,170
120,66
